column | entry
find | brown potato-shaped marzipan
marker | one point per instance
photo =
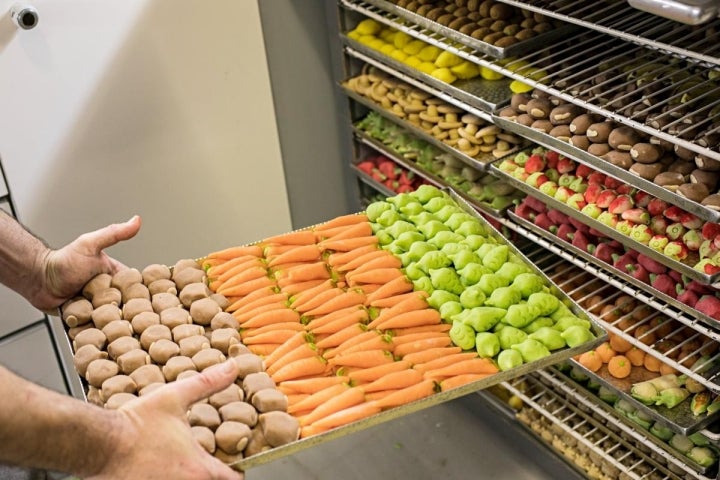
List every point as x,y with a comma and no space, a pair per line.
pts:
598,149
77,311
135,306
207,357
186,276
122,345
599,132
254,382
248,363
232,437
269,400
187,330
232,393
539,108
580,141
126,277
143,320
108,295
117,329
96,284
694,191
90,336
154,333
580,123
204,415
105,314
100,370
86,354
117,384
648,171
146,375
564,114
162,285
192,292
203,310
669,180
163,350
155,271
712,202
619,159
646,152
132,360
279,428
623,138
176,365
241,412
175,316
710,179
205,437
135,290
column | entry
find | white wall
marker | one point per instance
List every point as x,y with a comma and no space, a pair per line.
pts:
157,107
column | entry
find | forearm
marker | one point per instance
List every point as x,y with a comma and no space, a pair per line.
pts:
21,257
44,429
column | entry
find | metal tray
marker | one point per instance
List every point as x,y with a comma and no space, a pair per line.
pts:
434,179
618,273
484,47
482,95
606,167
597,403
685,268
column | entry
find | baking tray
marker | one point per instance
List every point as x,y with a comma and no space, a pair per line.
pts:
478,93
481,162
611,411
686,268
483,47
433,179
606,167
618,273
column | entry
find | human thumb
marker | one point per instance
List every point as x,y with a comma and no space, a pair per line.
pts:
210,381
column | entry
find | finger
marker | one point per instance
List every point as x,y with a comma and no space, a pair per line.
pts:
220,471
108,236
199,387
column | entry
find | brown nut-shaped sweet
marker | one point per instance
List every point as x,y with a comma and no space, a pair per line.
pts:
580,141
241,412
207,358
710,179
108,295
86,354
254,382
105,314
204,415
146,375
187,330
224,320
270,400
135,306
539,108
143,320
175,316
693,191
646,152
223,338
221,300
122,345
90,336
135,290
77,311
599,132
192,292
232,437
117,384
125,277
117,329
623,138
202,311
176,365
258,443
279,428
162,286
205,437
163,350
187,276
96,284
132,360
619,159
155,271
648,171
119,399
564,114
154,333
598,149
100,370
248,363
163,301
231,393
580,123
665,179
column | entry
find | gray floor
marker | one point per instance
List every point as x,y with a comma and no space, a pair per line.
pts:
465,438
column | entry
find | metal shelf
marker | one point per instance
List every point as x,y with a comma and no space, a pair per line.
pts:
621,20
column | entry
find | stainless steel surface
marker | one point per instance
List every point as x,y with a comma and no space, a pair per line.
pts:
691,12
30,354
619,19
61,341
483,95
606,167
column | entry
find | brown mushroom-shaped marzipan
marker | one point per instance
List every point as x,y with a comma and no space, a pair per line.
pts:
254,382
205,437
86,354
231,393
248,363
269,400
192,292
135,290
224,320
119,399
599,132
580,123
187,330
203,310
105,314
117,329
96,284
77,311
122,345
154,333
163,350
619,159
90,336
669,180
117,384
539,108
241,412
147,374
126,277
163,301
205,415
279,428
135,306
132,360
175,316
694,191
108,295
221,300
598,149
232,437
207,357
143,320
176,365
712,202
223,338
258,443
162,285
187,276
100,370
646,152
648,171
564,114
623,138
155,271
710,179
